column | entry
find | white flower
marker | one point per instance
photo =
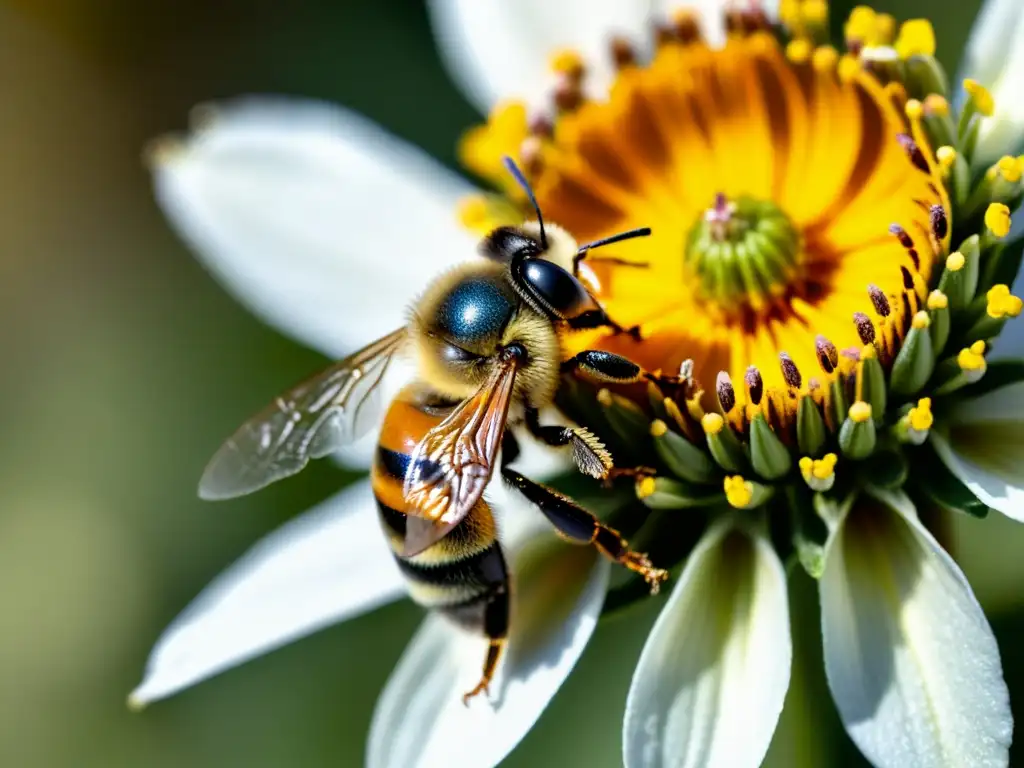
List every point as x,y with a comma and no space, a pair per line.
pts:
326,227
995,58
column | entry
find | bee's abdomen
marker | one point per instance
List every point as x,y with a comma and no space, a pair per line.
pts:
464,573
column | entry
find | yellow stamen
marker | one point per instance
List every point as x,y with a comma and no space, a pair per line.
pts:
868,352
972,358
1011,168
818,469
946,156
738,492
936,105
921,415
712,423
825,58
1001,303
814,12
937,300
473,212
983,101
658,428
799,50
916,38
921,321
861,25
604,397
914,109
997,219
849,67
566,62
860,411
645,486
482,148
955,261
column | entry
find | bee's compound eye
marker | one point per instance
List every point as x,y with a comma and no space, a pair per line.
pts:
554,288
474,310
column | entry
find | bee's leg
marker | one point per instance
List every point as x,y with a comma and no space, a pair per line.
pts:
495,625
580,527
588,452
598,318
604,366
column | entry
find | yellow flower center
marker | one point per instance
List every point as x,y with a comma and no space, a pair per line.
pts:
797,211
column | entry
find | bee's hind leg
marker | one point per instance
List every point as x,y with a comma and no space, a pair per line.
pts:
588,452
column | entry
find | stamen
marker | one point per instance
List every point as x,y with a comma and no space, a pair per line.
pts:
726,393
755,385
828,355
936,105
982,99
937,300
623,53
901,235
738,491
865,328
1010,168
568,63
879,301
685,26
939,221
567,94
916,38
908,279
913,151
790,373
1001,303
860,412
997,219
819,474
712,423
799,50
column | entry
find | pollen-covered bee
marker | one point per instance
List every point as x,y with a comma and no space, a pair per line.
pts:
487,341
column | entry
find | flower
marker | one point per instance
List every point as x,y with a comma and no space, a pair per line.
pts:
824,298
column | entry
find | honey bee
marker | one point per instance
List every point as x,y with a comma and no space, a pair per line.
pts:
487,340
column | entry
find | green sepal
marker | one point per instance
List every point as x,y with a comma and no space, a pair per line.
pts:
986,327
768,455
857,438
810,428
676,494
727,450
970,248
685,460
924,75
656,399
933,479
873,389
939,328
953,284
808,530
914,363
887,468
838,404
625,417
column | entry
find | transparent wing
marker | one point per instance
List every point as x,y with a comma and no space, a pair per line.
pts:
452,464
311,420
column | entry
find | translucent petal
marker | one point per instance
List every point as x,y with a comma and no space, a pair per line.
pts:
317,220
910,658
420,719
713,675
983,445
328,565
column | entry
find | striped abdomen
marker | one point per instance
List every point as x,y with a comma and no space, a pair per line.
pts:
463,575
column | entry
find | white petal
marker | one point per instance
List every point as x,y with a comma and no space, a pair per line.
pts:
320,222
995,57
910,658
328,565
495,49
420,719
984,448
713,675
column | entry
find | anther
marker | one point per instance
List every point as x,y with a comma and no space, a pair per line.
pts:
865,328
997,219
567,63
980,96
623,53
901,234
940,224
726,393
541,125
828,355
790,372
879,301
913,151
908,279
755,385
937,300
946,155
936,105
567,94
685,26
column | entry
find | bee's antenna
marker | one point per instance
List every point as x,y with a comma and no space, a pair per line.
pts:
618,238
521,180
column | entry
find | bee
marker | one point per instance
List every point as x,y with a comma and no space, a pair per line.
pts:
487,341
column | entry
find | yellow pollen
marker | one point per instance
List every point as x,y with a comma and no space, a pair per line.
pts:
1010,168
566,62
971,359
848,68
658,428
860,411
1001,303
814,12
946,156
825,58
997,219
738,492
645,486
955,261
921,321
914,109
819,469
473,212
934,104
712,423
885,28
983,101
798,50
916,38
921,415
861,25
604,397
937,300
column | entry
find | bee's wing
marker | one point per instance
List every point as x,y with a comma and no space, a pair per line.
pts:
311,420
452,464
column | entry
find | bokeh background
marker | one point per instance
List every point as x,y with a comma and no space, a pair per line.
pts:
122,366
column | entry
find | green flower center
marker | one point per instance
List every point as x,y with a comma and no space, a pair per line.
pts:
745,252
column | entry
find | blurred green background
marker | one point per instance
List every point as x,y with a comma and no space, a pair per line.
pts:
124,365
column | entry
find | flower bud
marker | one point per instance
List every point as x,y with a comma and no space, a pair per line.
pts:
682,458
916,359
857,435
768,455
